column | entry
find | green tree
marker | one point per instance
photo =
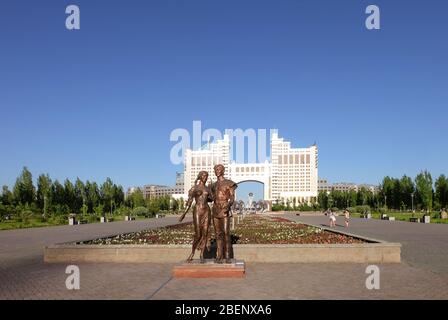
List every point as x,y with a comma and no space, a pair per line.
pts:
69,195
92,195
80,200
387,191
441,193
406,189
153,206
322,199
352,198
118,195
99,210
7,198
107,195
136,199
58,193
43,194
24,191
423,184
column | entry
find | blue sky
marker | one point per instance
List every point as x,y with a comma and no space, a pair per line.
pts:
101,101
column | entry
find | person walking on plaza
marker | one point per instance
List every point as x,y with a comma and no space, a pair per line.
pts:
347,217
332,219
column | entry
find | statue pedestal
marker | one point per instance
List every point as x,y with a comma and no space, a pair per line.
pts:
209,269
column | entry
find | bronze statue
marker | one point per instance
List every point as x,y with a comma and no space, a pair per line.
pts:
201,215
223,194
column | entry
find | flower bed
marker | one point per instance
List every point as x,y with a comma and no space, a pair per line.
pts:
250,230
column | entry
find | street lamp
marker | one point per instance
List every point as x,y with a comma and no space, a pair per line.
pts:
412,199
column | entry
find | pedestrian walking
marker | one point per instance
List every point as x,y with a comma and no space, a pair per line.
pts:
332,219
347,217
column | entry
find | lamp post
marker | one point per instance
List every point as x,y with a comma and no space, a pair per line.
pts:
412,201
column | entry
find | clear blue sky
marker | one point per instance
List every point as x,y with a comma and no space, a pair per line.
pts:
103,100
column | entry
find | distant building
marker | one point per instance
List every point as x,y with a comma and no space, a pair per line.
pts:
131,190
290,176
324,185
151,191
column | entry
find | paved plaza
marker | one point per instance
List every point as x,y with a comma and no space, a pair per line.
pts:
421,275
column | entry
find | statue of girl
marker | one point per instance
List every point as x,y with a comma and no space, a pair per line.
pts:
201,194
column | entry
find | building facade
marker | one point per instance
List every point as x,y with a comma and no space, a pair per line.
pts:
151,191
289,176
324,185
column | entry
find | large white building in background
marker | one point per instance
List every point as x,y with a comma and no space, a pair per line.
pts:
291,175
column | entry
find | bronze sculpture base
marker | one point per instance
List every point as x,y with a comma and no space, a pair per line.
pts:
209,269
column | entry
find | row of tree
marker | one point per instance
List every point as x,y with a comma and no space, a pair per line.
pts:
50,197
394,193
420,193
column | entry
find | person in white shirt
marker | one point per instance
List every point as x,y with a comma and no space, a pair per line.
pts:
347,217
332,219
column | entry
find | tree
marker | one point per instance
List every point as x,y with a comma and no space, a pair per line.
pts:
118,195
43,194
441,193
322,199
58,194
406,189
80,201
7,197
352,197
136,199
69,195
24,191
153,207
387,190
92,195
107,194
396,201
423,184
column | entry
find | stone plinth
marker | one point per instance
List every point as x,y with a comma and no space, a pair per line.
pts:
209,269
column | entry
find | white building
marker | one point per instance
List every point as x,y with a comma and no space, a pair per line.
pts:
290,176
324,185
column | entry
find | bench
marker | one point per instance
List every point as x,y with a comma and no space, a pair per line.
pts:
414,219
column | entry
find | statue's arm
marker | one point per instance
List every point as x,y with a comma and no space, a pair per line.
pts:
232,194
188,204
211,193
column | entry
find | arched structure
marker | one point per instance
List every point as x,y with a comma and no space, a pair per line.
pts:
257,172
289,177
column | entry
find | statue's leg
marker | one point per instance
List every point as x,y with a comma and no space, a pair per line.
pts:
196,236
219,233
227,239
208,233
203,237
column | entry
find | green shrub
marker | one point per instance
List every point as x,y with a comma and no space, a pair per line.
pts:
362,209
92,218
140,211
61,209
122,211
99,210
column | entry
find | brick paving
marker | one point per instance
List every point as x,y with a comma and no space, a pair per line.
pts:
423,245
23,275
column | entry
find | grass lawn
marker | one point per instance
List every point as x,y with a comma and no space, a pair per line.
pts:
36,222
404,216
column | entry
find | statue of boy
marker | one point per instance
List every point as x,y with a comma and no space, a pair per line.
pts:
223,195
